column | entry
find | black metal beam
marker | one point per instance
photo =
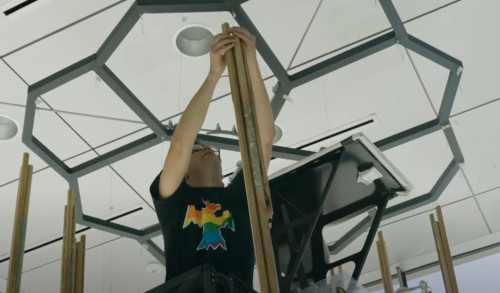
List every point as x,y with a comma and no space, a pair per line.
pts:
348,57
408,135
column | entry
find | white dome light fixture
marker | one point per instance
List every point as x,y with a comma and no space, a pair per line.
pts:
8,127
193,40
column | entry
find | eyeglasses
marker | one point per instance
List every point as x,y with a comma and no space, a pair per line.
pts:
200,147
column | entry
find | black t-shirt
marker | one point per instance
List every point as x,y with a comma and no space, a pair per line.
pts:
206,225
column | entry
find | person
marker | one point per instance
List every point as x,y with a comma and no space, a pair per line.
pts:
203,221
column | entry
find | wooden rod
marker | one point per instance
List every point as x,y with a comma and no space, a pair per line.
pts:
384,264
259,204
80,265
440,252
68,243
20,225
446,250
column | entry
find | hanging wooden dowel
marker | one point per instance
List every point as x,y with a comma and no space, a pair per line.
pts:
384,264
67,266
446,250
80,265
254,171
20,224
443,251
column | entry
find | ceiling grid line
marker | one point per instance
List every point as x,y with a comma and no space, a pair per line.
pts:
474,195
304,35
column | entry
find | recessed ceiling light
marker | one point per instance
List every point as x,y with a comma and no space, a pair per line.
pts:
193,40
155,268
8,127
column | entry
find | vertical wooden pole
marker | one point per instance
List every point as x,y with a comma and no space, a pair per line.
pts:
446,250
20,225
67,271
80,265
384,264
443,251
256,184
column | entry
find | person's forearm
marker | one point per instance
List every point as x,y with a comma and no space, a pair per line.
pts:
261,104
194,115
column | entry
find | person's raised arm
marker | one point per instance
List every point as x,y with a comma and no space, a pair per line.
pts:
260,96
179,153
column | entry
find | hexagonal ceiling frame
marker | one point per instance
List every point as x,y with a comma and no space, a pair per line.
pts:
286,83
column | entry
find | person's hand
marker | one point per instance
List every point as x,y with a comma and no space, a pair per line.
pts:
248,40
221,43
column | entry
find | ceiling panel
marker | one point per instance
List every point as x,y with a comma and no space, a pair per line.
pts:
430,155
460,228
489,203
455,191
150,65
382,84
105,194
65,48
305,115
149,162
18,31
341,22
57,135
13,88
458,31
476,133
282,24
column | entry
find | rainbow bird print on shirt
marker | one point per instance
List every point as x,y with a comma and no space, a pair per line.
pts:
211,224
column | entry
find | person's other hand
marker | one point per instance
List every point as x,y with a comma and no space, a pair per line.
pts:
220,45
247,39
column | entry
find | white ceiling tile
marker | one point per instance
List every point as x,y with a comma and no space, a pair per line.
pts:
479,141
281,24
460,228
19,31
98,131
65,48
56,135
339,23
14,90
305,116
149,162
88,95
455,191
489,203
104,194
430,155
383,84
459,32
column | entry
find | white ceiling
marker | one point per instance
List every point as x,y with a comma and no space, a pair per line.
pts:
84,118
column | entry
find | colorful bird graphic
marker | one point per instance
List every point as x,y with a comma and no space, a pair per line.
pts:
210,223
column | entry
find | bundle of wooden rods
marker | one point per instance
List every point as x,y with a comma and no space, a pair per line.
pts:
73,254
443,251
254,171
20,225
